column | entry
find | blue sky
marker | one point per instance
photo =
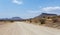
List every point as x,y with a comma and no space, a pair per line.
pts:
28,8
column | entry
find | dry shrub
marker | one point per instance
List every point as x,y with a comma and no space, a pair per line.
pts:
42,21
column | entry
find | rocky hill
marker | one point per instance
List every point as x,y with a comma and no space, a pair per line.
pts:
45,19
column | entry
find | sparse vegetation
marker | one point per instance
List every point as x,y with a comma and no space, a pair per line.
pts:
52,20
42,21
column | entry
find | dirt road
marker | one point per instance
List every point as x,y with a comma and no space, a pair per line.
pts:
22,28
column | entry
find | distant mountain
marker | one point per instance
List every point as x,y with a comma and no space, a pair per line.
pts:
16,18
45,15
13,18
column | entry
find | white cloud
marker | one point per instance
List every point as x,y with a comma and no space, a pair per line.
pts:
51,9
17,2
55,10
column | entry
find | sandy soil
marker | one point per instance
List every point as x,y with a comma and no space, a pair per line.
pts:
22,28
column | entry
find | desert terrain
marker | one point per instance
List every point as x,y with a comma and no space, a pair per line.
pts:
24,28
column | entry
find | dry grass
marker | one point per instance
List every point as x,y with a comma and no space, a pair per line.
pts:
5,22
52,22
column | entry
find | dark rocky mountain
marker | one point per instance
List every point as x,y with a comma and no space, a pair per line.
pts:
16,18
45,15
13,18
